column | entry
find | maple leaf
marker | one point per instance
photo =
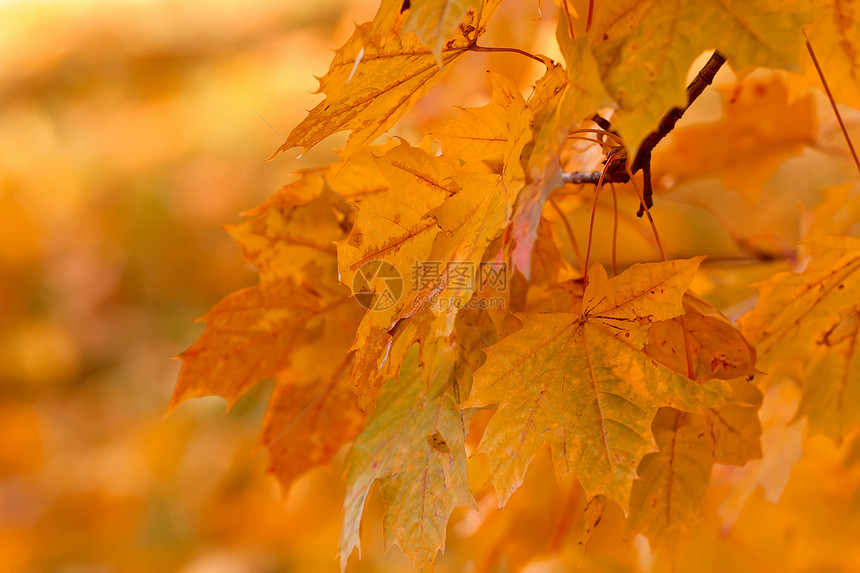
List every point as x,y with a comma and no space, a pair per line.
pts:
527,214
493,135
667,498
437,211
436,21
394,227
413,445
644,49
717,349
374,80
811,318
548,131
582,384
759,130
279,327
584,92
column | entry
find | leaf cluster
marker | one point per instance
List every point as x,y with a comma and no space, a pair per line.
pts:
637,385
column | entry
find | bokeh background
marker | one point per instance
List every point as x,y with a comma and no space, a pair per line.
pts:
129,133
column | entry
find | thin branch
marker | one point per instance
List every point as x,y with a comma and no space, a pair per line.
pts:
601,122
832,102
477,48
703,79
570,234
642,161
590,15
647,212
569,18
581,177
614,229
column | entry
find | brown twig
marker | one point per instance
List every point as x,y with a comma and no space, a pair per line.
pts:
569,18
477,48
832,102
642,161
580,177
590,15
569,231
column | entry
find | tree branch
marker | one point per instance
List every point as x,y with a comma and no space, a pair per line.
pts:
642,161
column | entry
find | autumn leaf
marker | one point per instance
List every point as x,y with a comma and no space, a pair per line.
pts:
492,136
717,349
644,49
584,92
436,21
582,384
396,227
808,321
374,80
666,500
549,132
278,328
413,445
527,215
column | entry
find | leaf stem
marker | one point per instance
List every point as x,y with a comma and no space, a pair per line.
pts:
832,102
614,229
477,48
647,212
569,18
687,349
593,210
570,234
642,161
590,15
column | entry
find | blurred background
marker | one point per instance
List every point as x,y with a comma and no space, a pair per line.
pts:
129,133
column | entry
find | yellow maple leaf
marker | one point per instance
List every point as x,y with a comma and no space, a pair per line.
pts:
392,232
394,227
667,497
434,226
548,131
375,78
436,21
583,385
413,445
717,349
805,325
584,93
279,327
493,135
